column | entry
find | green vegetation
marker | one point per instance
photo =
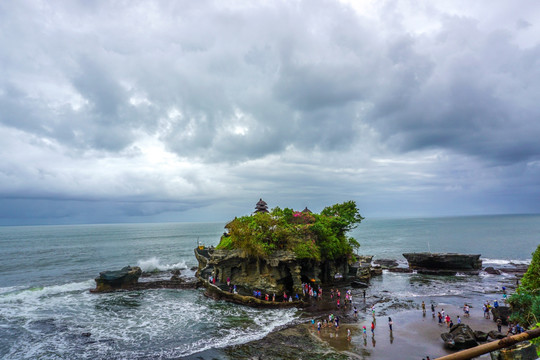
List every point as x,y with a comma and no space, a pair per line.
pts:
525,303
310,236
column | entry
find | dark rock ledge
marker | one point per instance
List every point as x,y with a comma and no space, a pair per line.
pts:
127,279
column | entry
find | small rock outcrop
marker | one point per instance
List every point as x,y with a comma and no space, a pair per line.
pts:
386,263
443,263
480,335
124,278
491,270
459,337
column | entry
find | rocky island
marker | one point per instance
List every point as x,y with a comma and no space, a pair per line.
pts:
276,252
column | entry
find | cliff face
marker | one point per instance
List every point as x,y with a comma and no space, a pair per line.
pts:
277,273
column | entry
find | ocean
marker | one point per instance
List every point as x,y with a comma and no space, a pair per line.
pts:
47,311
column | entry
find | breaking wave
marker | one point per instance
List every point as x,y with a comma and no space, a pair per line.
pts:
504,262
154,264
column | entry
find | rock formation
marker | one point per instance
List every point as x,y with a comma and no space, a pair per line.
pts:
459,337
276,273
386,263
124,278
443,263
127,278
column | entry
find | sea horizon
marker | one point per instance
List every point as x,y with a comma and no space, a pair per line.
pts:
389,217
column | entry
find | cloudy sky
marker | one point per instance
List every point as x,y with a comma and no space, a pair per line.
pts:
124,111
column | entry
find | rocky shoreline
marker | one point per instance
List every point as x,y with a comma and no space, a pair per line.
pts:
291,342
414,335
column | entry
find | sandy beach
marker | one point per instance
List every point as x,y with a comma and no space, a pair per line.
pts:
413,334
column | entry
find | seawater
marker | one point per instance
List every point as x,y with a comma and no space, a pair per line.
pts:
46,272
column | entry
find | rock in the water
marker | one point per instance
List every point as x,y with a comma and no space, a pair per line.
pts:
359,284
444,261
124,278
501,312
459,337
400,270
491,270
386,263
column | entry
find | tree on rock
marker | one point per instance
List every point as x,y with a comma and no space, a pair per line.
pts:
308,235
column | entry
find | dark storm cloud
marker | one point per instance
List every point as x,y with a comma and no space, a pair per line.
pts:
343,98
302,75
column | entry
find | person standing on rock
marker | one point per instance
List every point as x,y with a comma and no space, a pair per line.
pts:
355,313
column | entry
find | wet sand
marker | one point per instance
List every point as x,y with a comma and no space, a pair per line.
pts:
413,336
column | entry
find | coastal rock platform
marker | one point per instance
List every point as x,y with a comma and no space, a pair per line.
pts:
127,279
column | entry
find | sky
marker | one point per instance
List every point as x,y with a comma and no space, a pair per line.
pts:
149,111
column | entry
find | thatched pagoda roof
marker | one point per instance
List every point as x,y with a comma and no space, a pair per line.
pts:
261,206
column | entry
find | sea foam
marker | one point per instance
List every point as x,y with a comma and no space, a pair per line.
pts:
504,262
154,264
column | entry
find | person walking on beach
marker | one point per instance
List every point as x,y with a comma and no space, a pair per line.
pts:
372,329
319,327
355,313
348,334
364,332
440,317
447,320
423,308
433,310
390,323
466,310
458,320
